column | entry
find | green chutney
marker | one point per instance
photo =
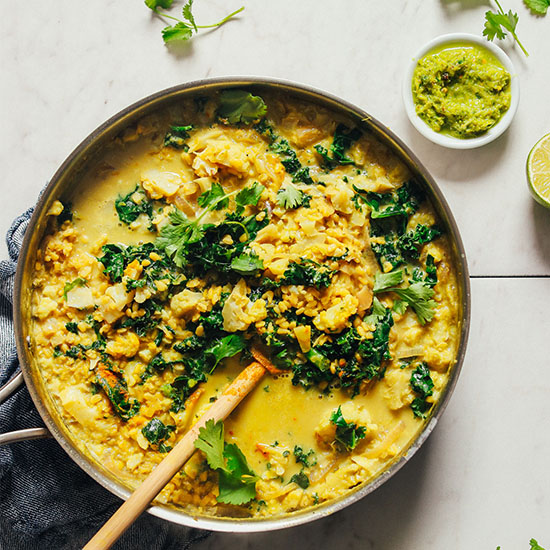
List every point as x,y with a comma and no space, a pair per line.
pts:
461,90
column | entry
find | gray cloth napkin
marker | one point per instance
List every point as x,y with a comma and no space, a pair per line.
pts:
46,500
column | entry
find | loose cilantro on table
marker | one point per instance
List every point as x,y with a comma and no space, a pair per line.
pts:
538,7
240,106
156,432
237,481
422,384
182,30
348,434
496,25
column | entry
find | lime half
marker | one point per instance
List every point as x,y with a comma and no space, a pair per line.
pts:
538,171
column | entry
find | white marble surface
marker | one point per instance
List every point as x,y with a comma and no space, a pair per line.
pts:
483,478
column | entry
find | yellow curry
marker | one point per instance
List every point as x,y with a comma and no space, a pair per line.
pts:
234,222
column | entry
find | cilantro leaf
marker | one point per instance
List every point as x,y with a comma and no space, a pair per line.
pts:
240,106
303,458
378,311
383,281
226,347
177,234
79,281
300,479
249,195
291,197
419,297
210,442
154,4
534,545
347,434
188,14
538,7
214,198
496,25
237,482
248,263
180,32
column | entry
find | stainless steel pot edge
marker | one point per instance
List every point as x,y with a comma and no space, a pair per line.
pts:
137,110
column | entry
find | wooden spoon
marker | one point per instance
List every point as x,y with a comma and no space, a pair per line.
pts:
174,460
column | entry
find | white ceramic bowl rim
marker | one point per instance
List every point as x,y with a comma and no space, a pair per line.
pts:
450,141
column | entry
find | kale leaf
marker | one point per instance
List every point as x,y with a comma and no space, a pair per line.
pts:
422,384
348,434
132,205
156,432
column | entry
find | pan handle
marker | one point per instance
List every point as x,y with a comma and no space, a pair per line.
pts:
20,435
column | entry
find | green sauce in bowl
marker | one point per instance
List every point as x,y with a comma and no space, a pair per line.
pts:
461,90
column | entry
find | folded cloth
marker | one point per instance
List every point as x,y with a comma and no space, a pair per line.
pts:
46,500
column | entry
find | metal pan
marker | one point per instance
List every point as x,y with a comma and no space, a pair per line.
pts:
58,188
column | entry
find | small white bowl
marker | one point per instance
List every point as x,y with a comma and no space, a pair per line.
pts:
451,141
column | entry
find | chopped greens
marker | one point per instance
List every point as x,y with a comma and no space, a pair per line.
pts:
300,479
307,273
156,432
177,136
237,481
132,205
342,141
348,434
422,384
304,458
240,106
115,388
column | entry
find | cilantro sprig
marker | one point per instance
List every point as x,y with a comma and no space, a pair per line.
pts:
538,7
496,25
237,481
418,295
182,30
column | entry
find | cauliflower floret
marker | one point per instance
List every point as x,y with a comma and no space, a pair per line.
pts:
159,184
334,319
187,302
239,312
325,432
398,390
124,345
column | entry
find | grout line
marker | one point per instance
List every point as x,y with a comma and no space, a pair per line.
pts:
509,276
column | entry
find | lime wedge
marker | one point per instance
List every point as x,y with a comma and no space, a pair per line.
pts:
538,171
